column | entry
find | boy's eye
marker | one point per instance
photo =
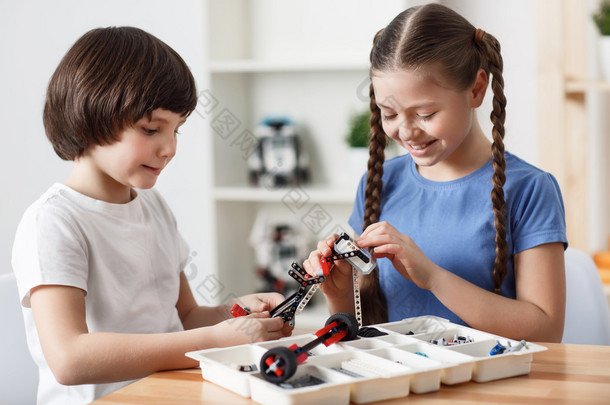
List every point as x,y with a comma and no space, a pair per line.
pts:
149,131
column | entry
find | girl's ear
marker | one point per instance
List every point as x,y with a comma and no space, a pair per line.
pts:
478,89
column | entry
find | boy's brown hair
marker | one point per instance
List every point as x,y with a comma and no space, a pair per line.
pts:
109,79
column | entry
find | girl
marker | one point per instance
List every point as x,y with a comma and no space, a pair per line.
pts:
448,249
99,264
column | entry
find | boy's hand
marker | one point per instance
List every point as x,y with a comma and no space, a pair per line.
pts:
261,304
256,327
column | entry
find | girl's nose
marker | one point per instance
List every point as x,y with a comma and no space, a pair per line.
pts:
408,130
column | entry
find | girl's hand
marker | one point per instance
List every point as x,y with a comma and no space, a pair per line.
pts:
400,249
338,284
256,327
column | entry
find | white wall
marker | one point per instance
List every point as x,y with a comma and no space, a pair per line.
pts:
34,35
512,23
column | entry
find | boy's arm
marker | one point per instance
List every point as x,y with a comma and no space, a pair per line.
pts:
76,356
194,316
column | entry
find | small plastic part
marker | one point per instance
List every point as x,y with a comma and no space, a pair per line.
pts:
368,331
288,308
349,320
238,311
499,348
280,363
306,380
457,340
346,248
248,368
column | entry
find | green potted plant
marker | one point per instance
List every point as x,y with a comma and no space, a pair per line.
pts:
601,18
359,130
357,139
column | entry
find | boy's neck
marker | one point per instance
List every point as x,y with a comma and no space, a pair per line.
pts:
90,182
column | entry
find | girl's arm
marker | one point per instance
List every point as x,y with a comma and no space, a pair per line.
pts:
76,356
537,313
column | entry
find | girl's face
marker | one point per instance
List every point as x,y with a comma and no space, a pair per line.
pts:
138,157
433,122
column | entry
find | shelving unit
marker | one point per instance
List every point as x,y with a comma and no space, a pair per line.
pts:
263,66
582,86
266,61
569,150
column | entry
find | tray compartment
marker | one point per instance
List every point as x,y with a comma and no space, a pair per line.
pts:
416,326
364,344
457,366
334,390
380,379
222,366
426,375
489,368
451,333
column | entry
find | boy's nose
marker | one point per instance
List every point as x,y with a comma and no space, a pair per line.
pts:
168,147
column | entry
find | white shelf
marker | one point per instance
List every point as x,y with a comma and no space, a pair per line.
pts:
275,66
261,194
307,69
581,86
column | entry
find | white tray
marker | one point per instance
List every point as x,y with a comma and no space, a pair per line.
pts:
391,366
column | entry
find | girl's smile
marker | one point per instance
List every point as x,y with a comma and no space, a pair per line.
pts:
432,121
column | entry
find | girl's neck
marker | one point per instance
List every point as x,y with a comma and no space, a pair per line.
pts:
471,155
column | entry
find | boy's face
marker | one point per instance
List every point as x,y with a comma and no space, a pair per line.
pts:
141,153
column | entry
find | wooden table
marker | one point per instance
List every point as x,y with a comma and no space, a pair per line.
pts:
564,374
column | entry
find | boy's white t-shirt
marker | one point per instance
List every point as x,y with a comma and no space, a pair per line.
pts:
127,258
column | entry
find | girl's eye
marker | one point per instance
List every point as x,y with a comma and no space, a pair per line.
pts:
389,117
427,117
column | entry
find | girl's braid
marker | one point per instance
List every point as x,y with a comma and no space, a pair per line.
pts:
374,307
498,115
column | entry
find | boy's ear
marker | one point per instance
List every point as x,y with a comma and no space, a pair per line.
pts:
479,88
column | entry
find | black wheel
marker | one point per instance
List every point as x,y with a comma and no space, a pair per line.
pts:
278,364
351,322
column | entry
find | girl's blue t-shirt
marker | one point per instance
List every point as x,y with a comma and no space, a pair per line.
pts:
453,224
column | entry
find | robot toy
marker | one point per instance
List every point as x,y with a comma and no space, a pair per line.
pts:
279,160
280,363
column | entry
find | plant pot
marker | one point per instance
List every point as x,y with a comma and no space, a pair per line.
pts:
358,159
604,56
